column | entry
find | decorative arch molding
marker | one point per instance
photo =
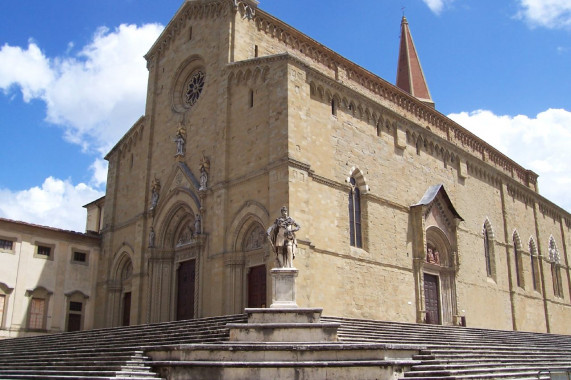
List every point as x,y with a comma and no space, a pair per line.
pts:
360,179
249,76
488,228
251,212
39,290
532,246
122,257
437,240
517,240
178,212
76,293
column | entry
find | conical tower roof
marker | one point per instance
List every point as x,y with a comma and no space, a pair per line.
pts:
410,76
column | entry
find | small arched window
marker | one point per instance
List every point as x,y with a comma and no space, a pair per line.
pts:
534,264
487,253
355,215
488,235
518,260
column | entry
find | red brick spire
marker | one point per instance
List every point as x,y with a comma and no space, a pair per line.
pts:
410,77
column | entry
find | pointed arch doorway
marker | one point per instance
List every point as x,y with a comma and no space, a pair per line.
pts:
435,223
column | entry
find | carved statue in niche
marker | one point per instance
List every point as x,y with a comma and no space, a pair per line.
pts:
180,140
151,238
155,190
432,255
255,239
204,168
282,237
197,224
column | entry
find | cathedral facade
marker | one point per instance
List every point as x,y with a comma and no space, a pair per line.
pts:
404,214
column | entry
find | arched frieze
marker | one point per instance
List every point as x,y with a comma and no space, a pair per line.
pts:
251,212
248,76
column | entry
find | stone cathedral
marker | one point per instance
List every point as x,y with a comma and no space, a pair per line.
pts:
406,216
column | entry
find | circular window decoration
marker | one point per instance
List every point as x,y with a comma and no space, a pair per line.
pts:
193,88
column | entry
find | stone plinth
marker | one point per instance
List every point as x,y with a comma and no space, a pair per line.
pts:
283,288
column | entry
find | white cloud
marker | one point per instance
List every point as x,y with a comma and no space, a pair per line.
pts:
437,6
95,96
99,168
29,69
552,14
57,203
540,144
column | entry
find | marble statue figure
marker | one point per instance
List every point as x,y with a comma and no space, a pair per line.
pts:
282,237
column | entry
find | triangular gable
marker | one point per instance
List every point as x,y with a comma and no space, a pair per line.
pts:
432,193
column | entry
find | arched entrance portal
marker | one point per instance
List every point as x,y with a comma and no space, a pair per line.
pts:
435,223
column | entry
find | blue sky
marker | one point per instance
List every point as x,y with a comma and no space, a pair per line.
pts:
73,80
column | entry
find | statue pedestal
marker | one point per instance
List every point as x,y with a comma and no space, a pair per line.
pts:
283,288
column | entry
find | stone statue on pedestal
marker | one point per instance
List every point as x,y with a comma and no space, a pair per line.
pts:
282,236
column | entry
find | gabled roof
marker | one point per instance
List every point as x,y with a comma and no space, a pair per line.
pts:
432,193
410,76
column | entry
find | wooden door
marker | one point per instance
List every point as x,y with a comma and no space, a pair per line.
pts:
127,309
432,299
185,290
73,322
257,286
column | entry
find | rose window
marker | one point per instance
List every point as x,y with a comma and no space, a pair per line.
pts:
194,88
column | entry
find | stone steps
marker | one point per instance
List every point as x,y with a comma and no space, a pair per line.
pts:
465,353
365,349
104,353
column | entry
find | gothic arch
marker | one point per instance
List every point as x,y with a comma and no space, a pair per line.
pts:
123,259
437,240
251,212
179,207
360,179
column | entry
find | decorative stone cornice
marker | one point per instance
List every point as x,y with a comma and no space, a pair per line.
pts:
424,114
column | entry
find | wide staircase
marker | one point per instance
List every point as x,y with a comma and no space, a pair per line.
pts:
446,352
467,353
113,353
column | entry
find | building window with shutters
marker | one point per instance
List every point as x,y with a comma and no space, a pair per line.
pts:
36,319
355,215
6,245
